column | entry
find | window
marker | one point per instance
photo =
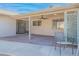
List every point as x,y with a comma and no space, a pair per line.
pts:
37,23
58,24
34,23
54,24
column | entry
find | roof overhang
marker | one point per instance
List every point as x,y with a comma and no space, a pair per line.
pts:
49,11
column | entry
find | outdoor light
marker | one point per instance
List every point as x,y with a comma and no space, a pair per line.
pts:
55,14
43,17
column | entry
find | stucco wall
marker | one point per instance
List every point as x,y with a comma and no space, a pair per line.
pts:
44,29
7,26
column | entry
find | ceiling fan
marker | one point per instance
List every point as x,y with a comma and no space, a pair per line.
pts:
43,17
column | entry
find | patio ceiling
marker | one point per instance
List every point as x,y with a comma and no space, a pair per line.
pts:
47,16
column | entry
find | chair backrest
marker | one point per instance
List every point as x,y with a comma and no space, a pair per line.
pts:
59,36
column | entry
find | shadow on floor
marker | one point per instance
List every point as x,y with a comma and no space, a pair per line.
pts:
35,39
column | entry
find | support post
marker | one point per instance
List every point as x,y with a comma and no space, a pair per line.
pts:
65,26
29,28
78,26
77,32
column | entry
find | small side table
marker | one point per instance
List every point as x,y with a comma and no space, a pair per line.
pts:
65,44
77,50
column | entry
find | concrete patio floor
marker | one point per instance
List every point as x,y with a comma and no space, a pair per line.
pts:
20,46
35,39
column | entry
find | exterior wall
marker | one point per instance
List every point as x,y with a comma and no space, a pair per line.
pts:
46,27
7,26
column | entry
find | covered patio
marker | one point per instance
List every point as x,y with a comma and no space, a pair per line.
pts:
53,20
61,20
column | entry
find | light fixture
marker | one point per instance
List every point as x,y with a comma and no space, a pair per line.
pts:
43,17
55,14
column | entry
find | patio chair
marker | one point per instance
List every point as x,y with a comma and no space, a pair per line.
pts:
60,40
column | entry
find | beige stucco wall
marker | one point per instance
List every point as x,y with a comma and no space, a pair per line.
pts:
46,27
7,26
